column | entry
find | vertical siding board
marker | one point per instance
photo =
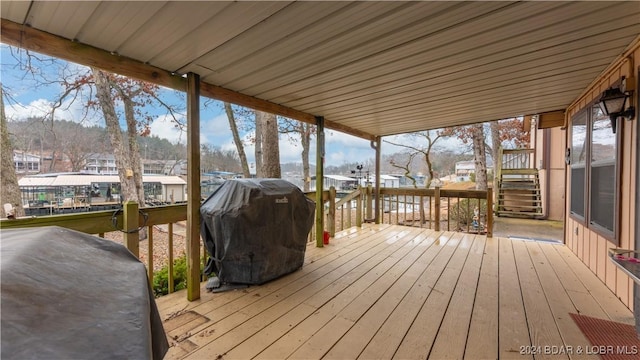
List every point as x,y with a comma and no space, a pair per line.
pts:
601,266
622,287
594,256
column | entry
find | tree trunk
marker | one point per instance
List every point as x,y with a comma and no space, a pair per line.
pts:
120,151
495,148
305,140
270,146
258,143
479,155
134,149
10,191
236,139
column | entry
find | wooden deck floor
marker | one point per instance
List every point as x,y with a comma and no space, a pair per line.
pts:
389,291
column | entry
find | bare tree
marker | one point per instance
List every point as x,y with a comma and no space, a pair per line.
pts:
10,191
479,155
304,131
424,144
405,165
237,140
268,136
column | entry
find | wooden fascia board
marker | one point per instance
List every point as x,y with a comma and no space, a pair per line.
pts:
28,38
551,119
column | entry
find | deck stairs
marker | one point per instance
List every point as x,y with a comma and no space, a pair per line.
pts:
518,185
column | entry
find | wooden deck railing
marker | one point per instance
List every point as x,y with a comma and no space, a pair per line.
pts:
129,221
439,209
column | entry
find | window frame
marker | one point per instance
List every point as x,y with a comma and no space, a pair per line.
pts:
586,220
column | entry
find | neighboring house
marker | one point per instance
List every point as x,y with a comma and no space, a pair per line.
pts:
89,189
26,163
339,182
103,164
464,169
388,181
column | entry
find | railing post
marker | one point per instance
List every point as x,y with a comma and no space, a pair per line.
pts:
129,225
332,212
436,204
489,212
359,207
170,270
369,203
150,255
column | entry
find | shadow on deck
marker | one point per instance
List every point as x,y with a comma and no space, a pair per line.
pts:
388,291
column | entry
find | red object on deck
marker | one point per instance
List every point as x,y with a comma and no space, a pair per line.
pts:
326,238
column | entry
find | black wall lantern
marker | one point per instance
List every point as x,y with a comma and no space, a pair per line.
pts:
613,103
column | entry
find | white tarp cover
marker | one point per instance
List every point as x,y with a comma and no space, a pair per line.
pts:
70,295
255,230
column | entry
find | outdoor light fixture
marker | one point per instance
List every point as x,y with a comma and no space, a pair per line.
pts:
613,103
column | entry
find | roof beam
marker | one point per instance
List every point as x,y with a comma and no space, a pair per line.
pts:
28,38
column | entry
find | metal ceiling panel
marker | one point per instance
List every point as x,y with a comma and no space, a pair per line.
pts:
379,67
15,11
112,25
64,19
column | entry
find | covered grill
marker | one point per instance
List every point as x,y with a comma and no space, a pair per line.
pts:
255,230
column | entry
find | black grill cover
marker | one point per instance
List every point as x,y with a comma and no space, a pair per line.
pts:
255,230
70,295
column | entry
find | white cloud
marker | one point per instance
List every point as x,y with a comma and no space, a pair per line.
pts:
164,127
71,111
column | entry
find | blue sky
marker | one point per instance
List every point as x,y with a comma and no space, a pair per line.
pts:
28,100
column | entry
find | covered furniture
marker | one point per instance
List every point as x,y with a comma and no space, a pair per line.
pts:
255,230
70,295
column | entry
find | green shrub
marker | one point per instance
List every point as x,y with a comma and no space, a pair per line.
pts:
161,277
463,213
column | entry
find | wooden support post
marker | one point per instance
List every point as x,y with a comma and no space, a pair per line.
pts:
319,181
193,186
377,147
369,203
129,225
150,255
489,212
359,207
170,269
436,205
332,212
349,210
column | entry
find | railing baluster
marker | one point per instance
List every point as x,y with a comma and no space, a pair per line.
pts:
170,246
437,209
150,254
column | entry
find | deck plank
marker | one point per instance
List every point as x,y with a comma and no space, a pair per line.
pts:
579,294
559,302
452,335
606,299
482,341
334,298
359,336
321,342
543,330
392,332
226,315
419,339
388,291
513,331
276,305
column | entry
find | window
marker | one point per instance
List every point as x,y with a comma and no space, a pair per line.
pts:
578,164
594,171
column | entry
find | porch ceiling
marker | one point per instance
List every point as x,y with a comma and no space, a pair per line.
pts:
377,68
